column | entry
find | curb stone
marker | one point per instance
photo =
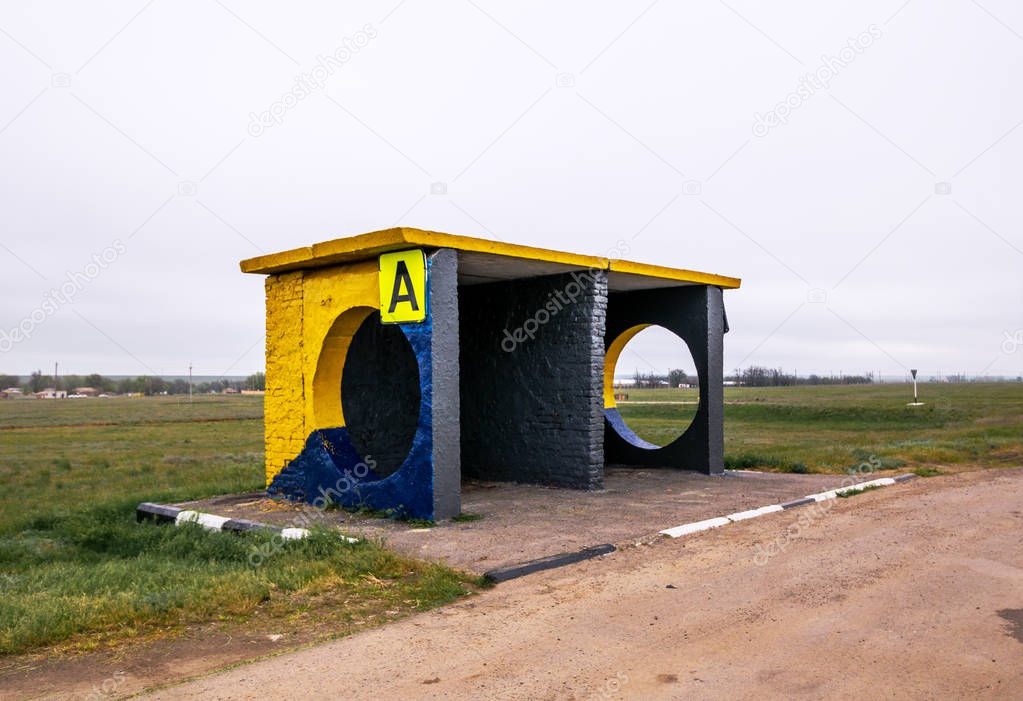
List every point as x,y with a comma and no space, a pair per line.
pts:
717,522
161,513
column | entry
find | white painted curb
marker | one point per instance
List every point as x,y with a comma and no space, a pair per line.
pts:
164,514
717,522
207,521
852,488
753,513
696,527
295,533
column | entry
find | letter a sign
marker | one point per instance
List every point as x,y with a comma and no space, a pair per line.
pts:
403,295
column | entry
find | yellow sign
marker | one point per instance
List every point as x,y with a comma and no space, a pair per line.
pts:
403,287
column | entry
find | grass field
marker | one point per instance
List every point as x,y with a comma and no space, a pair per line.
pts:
75,568
74,565
833,428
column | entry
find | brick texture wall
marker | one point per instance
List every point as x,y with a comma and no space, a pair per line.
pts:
284,403
532,358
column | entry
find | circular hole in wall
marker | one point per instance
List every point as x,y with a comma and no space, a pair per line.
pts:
380,394
655,385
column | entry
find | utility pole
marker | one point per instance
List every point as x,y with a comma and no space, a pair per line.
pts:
189,381
55,385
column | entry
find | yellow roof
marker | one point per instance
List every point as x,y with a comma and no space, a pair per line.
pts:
482,260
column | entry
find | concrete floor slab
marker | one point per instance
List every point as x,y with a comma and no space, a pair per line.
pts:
520,522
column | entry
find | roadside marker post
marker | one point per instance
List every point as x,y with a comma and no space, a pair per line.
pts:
916,401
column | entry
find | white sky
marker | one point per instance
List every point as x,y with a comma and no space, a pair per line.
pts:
110,109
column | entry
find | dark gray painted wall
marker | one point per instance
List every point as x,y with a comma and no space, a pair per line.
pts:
697,315
380,394
532,408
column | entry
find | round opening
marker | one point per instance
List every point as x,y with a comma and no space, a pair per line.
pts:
380,394
655,388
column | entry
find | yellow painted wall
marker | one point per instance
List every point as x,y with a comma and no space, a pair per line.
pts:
611,360
284,402
327,330
310,319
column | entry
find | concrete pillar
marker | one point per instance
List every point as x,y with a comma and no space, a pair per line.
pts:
712,389
447,466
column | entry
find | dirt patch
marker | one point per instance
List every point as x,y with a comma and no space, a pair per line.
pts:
176,654
123,670
1014,619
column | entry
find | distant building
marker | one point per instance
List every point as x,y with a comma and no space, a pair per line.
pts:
86,391
12,393
51,393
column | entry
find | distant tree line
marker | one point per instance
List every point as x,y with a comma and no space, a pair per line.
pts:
753,376
674,378
147,384
757,376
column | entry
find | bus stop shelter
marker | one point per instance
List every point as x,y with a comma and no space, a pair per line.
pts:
400,362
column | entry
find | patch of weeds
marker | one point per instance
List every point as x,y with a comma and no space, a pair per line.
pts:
466,517
62,464
482,581
418,522
748,461
364,511
877,462
913,443
926,472
880,462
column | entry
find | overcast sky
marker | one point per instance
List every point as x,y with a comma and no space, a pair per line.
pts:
874,218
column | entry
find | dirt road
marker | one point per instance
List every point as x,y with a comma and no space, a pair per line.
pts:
915,591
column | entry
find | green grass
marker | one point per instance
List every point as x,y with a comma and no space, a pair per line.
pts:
751,461
74,565
836,428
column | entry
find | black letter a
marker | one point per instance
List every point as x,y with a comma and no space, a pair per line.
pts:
401,276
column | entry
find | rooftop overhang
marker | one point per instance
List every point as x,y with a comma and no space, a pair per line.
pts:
481,261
